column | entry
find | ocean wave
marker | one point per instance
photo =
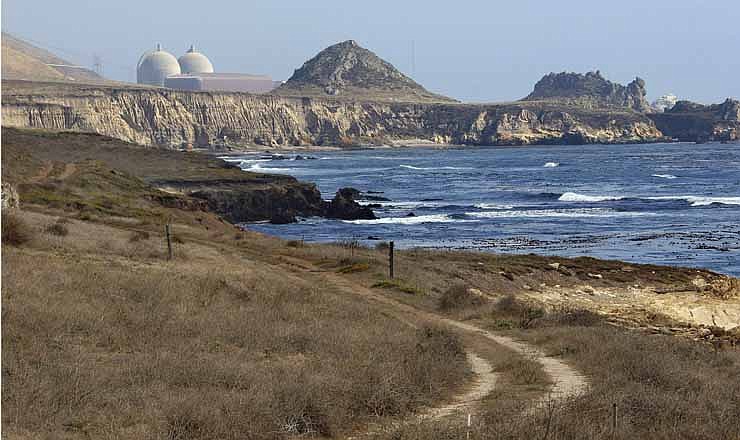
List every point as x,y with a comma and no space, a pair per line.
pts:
701,200
575,197
665,176
583,212
692,200
551,165
411,167
492,206
258,168
417,220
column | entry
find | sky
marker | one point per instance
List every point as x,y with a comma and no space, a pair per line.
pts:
472,50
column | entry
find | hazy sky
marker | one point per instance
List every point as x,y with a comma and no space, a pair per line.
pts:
473,50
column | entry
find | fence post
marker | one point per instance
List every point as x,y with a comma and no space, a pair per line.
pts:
169,241
615,416
391,245
470,423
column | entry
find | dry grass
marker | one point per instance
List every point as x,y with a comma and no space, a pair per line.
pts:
103,338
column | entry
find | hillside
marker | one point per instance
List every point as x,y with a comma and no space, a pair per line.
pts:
347,70
244,336
590,90
24,61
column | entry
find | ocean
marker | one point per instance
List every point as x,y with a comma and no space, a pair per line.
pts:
676,204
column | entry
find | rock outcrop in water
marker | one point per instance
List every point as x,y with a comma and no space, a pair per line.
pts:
692,122
346,70
590,90
175,119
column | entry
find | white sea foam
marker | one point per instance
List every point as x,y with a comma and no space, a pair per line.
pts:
417,220
411,167
693,200
701,200
258,168
492,206
665,176
551,165
575,197
575,213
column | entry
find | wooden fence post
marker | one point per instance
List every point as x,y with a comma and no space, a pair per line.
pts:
390,258
615,416
169,241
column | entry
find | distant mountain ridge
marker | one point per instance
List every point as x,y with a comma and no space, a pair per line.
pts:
347,70
590,90
24,61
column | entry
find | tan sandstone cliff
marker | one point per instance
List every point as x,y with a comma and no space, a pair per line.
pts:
175,119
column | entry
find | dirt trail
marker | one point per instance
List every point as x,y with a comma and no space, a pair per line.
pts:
567,382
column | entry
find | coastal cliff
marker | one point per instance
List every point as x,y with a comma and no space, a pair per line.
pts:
103,176
175,119
691,122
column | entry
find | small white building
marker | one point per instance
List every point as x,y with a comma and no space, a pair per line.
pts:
665,102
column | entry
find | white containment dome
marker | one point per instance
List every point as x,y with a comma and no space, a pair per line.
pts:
155,66
194,62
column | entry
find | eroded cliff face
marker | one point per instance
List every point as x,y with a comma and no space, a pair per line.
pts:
688,121
176,119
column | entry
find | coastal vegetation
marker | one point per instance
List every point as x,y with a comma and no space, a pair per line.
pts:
241,335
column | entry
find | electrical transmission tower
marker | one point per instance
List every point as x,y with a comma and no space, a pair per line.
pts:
98,64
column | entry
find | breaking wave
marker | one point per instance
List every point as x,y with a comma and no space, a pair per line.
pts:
259,168
692,200
436,218
665,176
575,197
411,167
574,213
551,165
492,206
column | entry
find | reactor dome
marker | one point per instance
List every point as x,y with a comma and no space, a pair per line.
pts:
154,66
194,62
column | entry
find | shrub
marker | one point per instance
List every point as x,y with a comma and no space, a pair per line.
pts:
138,236
458,296
15,231
294,243
58,228
576,317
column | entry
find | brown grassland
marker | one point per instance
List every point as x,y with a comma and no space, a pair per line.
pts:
247,336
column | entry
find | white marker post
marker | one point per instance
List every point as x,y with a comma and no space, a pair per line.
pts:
470,423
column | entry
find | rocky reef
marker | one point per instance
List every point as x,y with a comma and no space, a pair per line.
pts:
175,119
590,90
348,70
691,122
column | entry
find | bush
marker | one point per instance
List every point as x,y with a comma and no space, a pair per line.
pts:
458,296
58,228
15,231
576,317
138,236
294,243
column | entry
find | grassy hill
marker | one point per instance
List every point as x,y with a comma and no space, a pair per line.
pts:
24,61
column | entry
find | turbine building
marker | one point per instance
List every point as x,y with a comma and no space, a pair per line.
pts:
194,72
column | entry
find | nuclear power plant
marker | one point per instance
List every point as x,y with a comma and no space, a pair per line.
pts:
194,72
